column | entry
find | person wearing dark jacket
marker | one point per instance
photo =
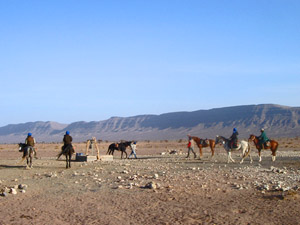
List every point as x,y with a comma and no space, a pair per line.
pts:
233,140
67,140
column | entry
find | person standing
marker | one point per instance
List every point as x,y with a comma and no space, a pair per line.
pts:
133,149
191,146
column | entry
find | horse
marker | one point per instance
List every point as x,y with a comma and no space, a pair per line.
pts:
111,148
244,146
203,143
123,146
28,153
273,146
67,151
119,147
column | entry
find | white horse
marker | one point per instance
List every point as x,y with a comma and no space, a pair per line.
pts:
244,146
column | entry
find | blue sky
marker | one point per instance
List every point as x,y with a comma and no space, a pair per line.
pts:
73,60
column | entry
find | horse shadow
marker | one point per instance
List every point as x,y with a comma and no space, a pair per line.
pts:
11,167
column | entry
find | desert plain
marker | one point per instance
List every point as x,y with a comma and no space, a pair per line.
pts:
156,188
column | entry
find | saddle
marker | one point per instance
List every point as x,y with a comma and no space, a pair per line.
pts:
266,145
233,144
65,147
204,141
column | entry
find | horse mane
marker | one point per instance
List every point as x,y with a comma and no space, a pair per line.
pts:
126,143
224,138
196,139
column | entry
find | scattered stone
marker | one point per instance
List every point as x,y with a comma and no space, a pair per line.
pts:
173,152
13,191
4,194
150,185
22,186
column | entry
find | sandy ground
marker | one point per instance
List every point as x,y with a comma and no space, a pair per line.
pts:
153,189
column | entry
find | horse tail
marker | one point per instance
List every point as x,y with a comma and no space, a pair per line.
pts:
23,158
249,146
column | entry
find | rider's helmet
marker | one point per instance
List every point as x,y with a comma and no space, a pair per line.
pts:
67,132
234,130
134,143
29,134
262,130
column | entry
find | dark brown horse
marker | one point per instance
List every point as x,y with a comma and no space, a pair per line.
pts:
273,146
119,147
203,143
68,151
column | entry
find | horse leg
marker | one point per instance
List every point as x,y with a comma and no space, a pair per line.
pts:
30,161
212,151
125,154
259,154
229,154
251,160
242,160
66,161
200,150
70,156
228,157
59,155
245,153
273,155
27,162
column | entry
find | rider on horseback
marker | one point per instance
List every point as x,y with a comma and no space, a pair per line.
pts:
30,142
263,139
233,140
67,140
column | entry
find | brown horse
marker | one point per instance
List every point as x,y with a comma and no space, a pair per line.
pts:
203,143
273,146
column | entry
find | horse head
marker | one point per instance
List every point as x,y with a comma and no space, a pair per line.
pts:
252,137
21,146
219,140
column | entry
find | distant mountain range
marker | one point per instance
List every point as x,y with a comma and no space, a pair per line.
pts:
279,121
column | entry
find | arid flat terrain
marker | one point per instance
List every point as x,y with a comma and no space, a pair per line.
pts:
156,188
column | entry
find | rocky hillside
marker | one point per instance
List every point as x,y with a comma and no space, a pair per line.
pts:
279,121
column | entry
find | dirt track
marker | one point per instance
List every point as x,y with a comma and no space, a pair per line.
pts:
154,189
